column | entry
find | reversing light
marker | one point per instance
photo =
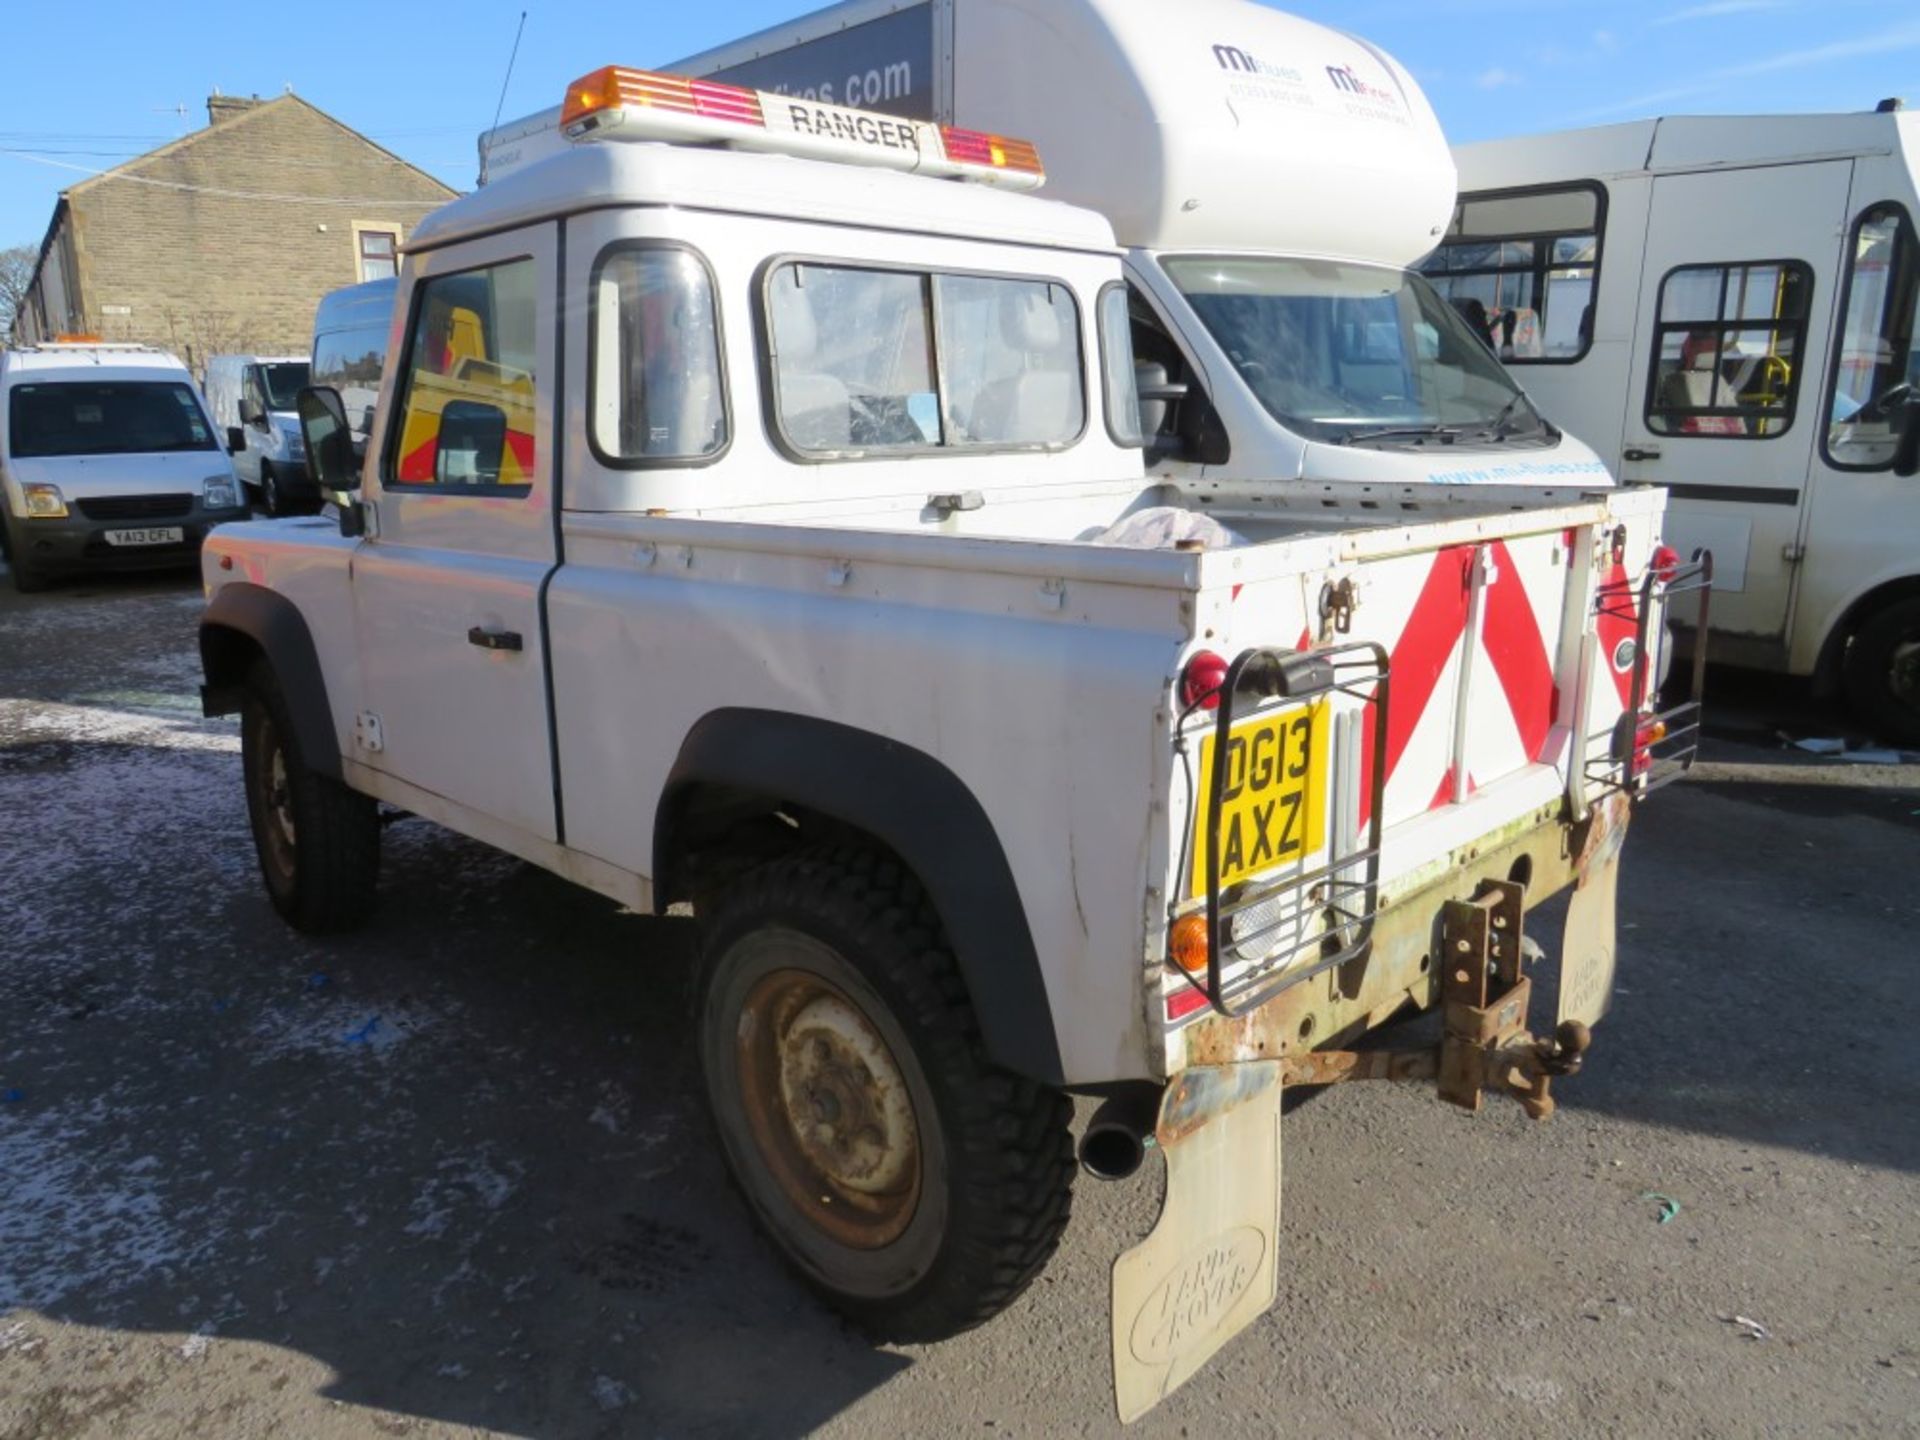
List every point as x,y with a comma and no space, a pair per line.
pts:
1666,564
1187,943
1200,682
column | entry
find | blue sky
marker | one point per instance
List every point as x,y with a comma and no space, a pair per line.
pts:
133,76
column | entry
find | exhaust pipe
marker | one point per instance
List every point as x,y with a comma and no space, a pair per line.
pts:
1115,1143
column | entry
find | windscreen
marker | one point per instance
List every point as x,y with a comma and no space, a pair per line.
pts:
283,383
115,417
1353,354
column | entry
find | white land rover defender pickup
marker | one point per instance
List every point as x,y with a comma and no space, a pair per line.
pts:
753,524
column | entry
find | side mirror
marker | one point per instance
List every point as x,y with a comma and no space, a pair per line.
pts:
1906,452
323,425
473,441
236,439
1156,392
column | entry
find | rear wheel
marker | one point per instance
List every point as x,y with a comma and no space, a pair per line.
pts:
318,841
1882,674
913,1184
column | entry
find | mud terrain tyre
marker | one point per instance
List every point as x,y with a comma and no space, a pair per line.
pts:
917,1187
318,842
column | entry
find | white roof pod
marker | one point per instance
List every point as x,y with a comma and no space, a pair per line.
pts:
1214,123
1201,124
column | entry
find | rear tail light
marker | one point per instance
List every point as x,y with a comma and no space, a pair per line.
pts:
1200,682
1666,564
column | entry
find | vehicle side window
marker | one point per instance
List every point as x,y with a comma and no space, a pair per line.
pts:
1119,390
657,388
1876,363
892,360
466,397
1727,346
1009,354
1523,268
250,395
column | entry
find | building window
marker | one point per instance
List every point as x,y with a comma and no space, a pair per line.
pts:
379,253
1877,360
900,360
466,401
1523,267
1727,347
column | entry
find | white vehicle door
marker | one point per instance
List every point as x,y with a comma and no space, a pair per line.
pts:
447,591
1737,291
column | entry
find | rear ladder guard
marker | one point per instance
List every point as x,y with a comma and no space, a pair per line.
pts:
1347,905
1671,756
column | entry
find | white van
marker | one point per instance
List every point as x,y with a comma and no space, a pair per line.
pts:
252,397
1727,306
350,342
1272,180
108,461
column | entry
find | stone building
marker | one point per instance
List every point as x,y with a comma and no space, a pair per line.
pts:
225,240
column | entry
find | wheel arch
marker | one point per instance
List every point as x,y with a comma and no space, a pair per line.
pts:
1850,616
760,762
245,622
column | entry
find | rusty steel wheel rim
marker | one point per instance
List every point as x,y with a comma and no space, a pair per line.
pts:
829,1108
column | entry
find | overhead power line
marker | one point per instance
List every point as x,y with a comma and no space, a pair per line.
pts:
215,190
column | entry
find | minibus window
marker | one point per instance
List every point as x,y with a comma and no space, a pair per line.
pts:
1876,363
1727,349
1523,267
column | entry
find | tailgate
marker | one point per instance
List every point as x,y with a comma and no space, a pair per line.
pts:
1473,676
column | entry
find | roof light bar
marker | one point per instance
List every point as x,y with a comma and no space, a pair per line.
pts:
617,103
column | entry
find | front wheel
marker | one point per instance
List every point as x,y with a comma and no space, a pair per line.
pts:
270,499
916,1186
1882,673
318,842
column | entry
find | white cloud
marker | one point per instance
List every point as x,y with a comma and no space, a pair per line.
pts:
1899,37
1714,9
1496,79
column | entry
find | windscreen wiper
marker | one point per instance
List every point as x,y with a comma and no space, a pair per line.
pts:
1444,433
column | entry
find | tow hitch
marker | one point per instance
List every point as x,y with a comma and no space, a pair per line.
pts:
1207,1270
1485,994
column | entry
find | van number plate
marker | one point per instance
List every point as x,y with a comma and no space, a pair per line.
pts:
1273,800
153,535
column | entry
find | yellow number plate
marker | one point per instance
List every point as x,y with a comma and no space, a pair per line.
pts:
1273,804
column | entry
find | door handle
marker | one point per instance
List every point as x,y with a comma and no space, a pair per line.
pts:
494,639
1638,452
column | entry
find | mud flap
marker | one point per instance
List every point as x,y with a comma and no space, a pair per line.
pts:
1208,1269
1587,947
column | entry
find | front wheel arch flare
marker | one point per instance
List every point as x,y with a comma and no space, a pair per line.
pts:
244,622
913,805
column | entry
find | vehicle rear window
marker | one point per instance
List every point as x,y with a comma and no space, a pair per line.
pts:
111,417
881,360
